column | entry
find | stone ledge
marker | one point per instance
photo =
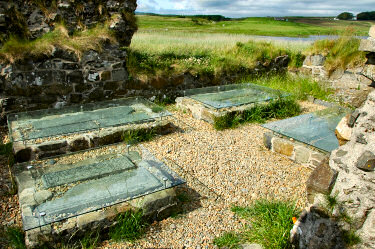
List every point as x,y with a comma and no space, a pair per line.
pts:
32,150
157,206
294,150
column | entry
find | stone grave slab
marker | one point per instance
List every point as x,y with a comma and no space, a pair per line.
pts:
233,95
316,129
210,102
87,186
51,132
86,172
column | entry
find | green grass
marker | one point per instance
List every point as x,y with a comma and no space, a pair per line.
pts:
6,149
15,49
227,240
229,57
138,136
15,237
351,238
295,27
90,240
299,86
280,108
130,226
271,222
341,53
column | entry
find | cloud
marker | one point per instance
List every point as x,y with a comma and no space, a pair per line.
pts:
241,8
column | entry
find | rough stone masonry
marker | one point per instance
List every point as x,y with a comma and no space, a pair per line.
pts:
349,177
62,77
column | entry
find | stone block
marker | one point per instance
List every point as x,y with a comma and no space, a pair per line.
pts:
75,77
23,154
55,145
42,196
93,77
314,60
282,146
105,75
96,94
353,118
321,181
366,161
343,131
79,144
267,140
302,155
69,65
119,75
76,97
26,197
367,45
58,89
112,85
82,87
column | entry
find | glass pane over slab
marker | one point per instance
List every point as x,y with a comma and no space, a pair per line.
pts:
80,118
316,129
219,97
90,185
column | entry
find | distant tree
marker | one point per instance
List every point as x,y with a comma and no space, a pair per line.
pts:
345,16
366,16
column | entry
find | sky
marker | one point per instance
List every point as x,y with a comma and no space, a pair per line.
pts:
244,8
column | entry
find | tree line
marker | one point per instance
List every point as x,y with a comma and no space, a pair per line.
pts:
369,15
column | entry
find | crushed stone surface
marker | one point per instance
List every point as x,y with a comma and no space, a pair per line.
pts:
222,169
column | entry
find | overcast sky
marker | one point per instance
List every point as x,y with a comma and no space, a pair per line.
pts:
242,8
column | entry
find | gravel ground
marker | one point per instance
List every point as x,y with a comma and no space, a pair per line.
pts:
222,169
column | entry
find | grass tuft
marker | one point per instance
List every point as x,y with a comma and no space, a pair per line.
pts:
90,240
130,226
16,237
6,149
341,53
138,136
227,240
350,238
299,86
280,108
16,49
270,221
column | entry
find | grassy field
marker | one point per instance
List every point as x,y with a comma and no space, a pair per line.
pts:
295,27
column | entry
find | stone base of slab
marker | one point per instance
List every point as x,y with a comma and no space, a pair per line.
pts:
45,148
296,151
208,114
156,206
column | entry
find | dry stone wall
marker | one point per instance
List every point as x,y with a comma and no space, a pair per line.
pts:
349,177
351,85
62,77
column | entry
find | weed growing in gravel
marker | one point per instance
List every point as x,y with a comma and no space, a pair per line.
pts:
350,238
280,108
130,226
16,237
227,240
6,149
138,136
271,221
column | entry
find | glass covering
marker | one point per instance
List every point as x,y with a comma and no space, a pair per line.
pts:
80,118
219,97
316,129
92,184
